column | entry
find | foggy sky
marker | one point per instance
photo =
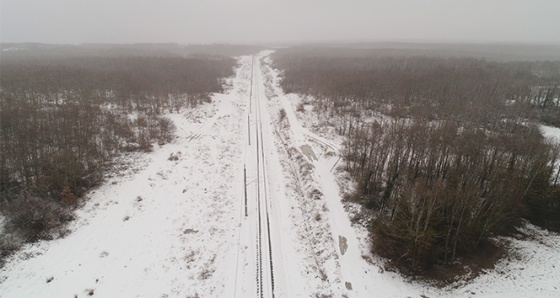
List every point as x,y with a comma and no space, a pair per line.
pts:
250,21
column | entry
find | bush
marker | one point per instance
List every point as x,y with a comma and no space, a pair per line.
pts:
9,242
544,209
300,107
407,251
282,114
166,130
35,218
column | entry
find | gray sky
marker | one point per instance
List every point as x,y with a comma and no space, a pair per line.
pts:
246,21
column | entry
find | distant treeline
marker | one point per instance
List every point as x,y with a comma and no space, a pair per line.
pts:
64,120
141,83
446,158
461,89
39,50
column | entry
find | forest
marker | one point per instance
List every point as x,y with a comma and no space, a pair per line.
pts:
64,119
445,151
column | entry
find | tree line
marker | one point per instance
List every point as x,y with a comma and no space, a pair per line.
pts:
439,190
461,89
453,161
63,121
149,84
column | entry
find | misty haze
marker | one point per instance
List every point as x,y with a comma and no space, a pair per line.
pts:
279,149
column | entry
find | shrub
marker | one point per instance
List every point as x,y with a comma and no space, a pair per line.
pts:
282,114
300,107
166,130
35,218
68,198
9,242
544,208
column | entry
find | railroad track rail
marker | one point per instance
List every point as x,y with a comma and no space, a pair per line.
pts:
265,272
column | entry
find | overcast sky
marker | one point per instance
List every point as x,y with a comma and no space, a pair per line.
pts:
247,21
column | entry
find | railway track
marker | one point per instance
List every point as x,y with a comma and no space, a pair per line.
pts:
264,263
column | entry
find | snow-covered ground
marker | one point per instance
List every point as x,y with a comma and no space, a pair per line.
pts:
550,132
179,225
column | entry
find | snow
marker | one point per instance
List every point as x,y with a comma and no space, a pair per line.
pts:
13,49
531,270
550,132
175,224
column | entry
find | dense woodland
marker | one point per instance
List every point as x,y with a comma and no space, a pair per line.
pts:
458,89
441,149
63,120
